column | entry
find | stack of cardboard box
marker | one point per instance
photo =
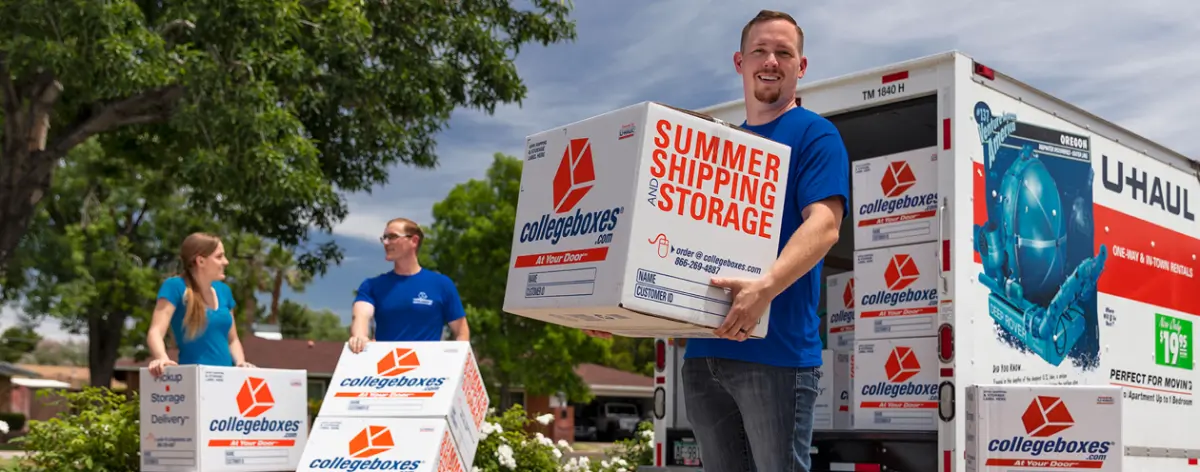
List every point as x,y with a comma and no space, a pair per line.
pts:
896,274
416,406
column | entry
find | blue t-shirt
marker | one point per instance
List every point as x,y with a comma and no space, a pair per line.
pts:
211,345
411,307
819,169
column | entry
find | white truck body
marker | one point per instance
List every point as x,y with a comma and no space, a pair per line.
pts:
1067,247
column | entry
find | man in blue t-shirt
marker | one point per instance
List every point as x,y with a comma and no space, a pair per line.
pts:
752,400
408,303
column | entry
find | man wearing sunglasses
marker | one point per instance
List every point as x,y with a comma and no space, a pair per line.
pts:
407,303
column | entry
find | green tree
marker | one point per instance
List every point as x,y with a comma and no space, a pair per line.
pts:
17,341
632,355
264,109
297,321
100,247
469,241
284,270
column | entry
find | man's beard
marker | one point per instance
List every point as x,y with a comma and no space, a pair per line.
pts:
767,96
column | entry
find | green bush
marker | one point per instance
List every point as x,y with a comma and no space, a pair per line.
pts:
98,432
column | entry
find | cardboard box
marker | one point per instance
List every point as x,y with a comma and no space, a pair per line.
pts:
209,418
895,199
412,380
839,309
833,406
1043,427
411,444
897,290
897,384
625,217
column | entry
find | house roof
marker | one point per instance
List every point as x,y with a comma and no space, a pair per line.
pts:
598,375
8,369
320,359
75,376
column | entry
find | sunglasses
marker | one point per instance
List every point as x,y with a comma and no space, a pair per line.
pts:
392,237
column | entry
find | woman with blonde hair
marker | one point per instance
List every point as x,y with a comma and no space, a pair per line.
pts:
198,308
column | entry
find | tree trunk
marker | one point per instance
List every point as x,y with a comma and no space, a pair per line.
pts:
276,291
25,171
104,342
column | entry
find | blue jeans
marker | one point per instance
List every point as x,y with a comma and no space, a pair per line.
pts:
750,417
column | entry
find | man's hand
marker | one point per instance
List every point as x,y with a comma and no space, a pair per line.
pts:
357,344
246,365
597,334
750,301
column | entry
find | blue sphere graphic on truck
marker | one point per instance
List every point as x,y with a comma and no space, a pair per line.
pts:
1037,253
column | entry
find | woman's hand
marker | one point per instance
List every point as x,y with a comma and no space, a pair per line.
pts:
246,365
157,366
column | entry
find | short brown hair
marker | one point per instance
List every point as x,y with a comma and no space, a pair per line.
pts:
769,15
410,227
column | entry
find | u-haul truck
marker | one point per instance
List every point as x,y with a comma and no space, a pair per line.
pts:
1065,252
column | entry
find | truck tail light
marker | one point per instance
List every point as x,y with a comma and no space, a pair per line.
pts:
985,71
660,355
660,403
945,337
946,401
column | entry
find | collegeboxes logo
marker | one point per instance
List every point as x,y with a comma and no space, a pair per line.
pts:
1046,417
361,451
254,399
371,441
897,179
398,362
575,178
901,366
390,373
901,272
848,294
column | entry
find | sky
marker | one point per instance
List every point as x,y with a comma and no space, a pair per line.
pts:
1129,62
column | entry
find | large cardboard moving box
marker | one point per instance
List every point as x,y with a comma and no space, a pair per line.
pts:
437,380
896,384
411,444
839,308
895,199
204,418
1044,427
625,217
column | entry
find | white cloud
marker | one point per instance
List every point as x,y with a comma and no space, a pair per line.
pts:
1129,62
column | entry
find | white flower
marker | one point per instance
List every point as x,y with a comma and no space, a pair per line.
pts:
545,419
562,444
543,440
648,434
3,427
487,429
505,454
557,453
577,464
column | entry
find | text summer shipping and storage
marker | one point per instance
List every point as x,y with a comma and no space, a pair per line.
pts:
624,218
